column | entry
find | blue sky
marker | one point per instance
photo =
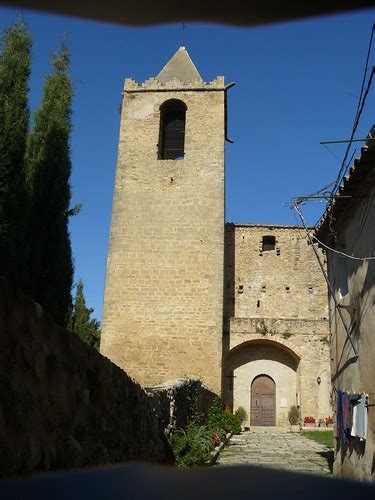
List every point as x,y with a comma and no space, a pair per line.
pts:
295,86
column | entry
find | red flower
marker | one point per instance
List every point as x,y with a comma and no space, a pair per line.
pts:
216,439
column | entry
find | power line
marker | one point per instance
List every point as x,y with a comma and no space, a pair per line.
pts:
329,285
355,125
330,151
366,67
323,143
341,253
360,106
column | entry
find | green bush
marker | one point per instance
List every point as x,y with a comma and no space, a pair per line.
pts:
192,447
222,421
241,413
293,415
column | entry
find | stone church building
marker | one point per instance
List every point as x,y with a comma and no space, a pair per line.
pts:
243,307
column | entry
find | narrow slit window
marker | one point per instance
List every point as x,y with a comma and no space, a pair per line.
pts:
268,243
258,303
172,130
231,377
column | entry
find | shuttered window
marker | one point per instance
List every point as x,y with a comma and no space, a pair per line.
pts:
268,243
172,130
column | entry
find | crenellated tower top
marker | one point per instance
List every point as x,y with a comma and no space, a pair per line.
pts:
178,73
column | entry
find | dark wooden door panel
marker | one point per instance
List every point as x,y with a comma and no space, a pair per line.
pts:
263,401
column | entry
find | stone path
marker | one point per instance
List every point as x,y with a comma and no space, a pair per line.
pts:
281,450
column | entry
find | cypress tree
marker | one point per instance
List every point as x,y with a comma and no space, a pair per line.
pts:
15,60
88,329
48,172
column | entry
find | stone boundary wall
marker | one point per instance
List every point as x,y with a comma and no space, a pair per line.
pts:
186,397
64,405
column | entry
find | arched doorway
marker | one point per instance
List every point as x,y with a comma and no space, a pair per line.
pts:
263,401
262,357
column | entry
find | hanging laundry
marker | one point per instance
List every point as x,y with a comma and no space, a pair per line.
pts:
342,412
351,416
352,402
359,423
346,417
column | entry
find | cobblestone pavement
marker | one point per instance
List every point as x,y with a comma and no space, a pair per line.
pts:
281,450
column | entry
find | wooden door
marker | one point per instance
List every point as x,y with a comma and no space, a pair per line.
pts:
263,401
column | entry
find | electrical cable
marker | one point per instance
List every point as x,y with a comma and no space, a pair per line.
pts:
366,68
340,253
355,125
361,102
348,330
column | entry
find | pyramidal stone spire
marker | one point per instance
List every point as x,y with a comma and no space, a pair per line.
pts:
180,66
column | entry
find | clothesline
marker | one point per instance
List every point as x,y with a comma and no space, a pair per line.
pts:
369,394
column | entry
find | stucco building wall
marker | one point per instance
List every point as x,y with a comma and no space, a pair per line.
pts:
354,286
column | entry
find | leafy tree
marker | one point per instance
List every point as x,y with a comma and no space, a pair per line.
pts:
48,172
88,329
15,60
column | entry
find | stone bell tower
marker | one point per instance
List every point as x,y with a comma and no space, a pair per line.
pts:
163,303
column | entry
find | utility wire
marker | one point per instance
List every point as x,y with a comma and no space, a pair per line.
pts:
330,151
361,103
355,125
340,253
366,68
324,193
349,329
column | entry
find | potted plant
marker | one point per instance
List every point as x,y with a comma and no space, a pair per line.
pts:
293,417
329,422
309,422
321,422
241,413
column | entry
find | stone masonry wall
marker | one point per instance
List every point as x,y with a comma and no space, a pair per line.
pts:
300,345
64,405
275,320
163,306
281,283
186,398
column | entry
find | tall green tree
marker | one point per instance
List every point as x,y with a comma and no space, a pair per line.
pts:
88,329
48,172
15,61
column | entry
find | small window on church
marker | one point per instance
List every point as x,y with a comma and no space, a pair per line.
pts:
172,130
268,243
